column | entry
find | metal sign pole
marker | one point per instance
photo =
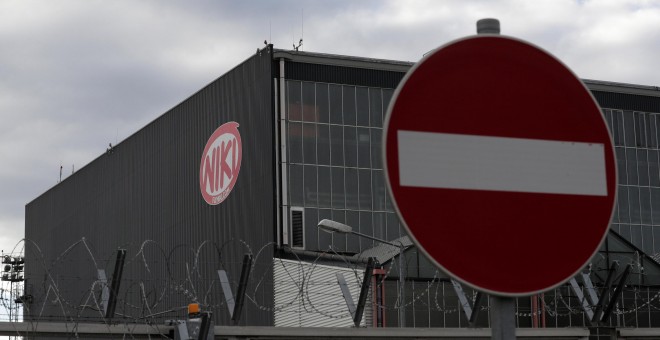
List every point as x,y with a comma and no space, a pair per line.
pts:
502,317
503,309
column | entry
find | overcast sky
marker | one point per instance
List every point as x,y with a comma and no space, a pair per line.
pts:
77,75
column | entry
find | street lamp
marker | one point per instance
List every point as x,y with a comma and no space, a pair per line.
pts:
333,226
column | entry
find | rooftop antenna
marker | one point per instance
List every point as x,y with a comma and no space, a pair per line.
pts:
60,173
302,33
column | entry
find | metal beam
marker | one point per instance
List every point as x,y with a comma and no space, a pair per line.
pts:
467,307
242,286
589,287
475,309
471,309
604,291
105,291
585,304
617,292
364,291
346,293
114,284
226,290
204,326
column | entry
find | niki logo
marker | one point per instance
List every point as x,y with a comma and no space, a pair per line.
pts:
221,163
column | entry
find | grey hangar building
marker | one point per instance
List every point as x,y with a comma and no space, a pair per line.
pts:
253,161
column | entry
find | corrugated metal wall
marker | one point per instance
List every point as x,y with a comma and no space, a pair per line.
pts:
145,197
342,75
308,295
625,101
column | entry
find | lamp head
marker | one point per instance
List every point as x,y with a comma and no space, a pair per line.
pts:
332,226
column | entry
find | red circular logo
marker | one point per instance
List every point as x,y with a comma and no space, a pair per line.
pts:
221,163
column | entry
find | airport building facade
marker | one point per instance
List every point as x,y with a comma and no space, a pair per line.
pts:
253,161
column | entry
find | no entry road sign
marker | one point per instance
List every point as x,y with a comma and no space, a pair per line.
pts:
500,164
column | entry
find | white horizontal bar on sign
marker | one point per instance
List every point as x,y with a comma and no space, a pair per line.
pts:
453,161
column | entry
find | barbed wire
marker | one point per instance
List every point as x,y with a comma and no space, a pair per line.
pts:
163,280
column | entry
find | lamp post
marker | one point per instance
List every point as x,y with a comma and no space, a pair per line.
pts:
332,226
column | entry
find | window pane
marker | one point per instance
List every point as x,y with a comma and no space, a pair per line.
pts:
323,144
367,228
615,213
309,143
379,190
617,127
325,191
309,102
379,225
645,203
621,165
657,130
376,151
624,209
294,107
311,191
647,239
654,171
387,97
651,131
365,189
338,197
388,201
311,231
608,119
362,103
640,130
655,205
350,146
335,105
349,105
352,241
656,239
625,232
636,235
295,142
364,148
392,227
336,145
643,167
296,193
339,239
631,165
352,194
322,103
629,128
325,239
376,107
635,207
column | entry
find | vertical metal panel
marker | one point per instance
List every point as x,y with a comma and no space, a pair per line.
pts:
144,196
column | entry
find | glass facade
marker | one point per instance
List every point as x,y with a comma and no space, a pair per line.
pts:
637,215
334,162
335,169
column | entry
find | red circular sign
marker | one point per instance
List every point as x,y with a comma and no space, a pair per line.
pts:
221,163
500,164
